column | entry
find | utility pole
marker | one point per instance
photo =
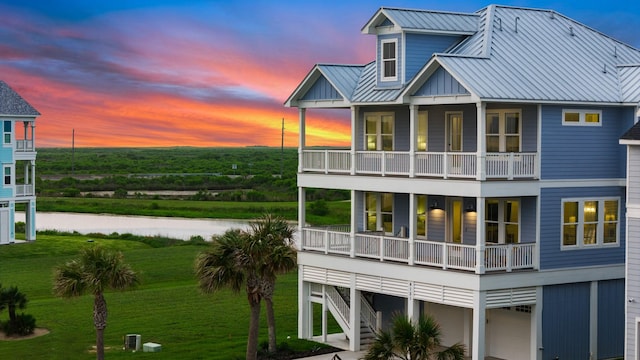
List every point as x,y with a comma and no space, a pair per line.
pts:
282,149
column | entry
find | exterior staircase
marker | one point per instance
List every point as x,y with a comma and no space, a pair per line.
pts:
338,305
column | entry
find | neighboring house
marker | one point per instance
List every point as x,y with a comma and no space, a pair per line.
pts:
487,183
18,158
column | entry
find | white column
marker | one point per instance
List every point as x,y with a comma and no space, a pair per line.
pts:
412,227
481,152
33,135
325,310
467,336
301,136
352,233
354,315
481,241
301,215
354,137
413,306
479,325
305,315
413,124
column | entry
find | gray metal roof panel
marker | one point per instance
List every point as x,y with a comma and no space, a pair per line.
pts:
550,57
630,83
343,77
409,19
367,92
12,104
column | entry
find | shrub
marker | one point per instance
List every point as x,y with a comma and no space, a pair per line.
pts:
24,324
319,207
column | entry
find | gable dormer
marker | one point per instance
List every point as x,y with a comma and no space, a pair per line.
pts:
406,40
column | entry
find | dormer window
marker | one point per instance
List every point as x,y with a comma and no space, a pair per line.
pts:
389,60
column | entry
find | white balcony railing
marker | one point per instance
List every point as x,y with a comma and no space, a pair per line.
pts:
25,145
431,164
25,190
374,245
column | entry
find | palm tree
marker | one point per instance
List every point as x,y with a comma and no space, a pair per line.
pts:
275,236
230,262
12,299
415,341
94,271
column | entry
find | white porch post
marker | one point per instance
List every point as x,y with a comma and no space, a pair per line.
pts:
325,310
413,111
33,176
481,152
354,134
301,216
352,231
305,315
354,316
30,220
413,306
301,137
413,211
481,244
479,325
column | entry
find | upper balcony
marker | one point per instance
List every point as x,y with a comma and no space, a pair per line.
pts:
445,165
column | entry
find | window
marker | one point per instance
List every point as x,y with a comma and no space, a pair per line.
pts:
421,139
581,117
379,212
7,175
421,215
502,221
379,131
589,223
389,60
454,131
7,131
503,130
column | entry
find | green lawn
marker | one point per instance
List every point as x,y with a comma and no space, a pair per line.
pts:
167,308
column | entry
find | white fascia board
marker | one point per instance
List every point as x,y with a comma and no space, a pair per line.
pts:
558,102
443,99
370,26
303,87
629,142
551,277
440,32
323,104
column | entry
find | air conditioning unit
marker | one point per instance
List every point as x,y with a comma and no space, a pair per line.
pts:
132,342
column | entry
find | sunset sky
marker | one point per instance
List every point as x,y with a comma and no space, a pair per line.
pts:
204,73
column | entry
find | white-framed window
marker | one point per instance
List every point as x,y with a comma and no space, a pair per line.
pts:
454,130
7,131
389,59
503,130
422,133
379,131
588,223
7,175
581,117
379,212
502,221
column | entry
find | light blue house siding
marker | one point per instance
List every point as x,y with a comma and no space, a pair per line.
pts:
610,315
322,90
584,152
420,48
565,321
551,255
6,158
528,220
400,60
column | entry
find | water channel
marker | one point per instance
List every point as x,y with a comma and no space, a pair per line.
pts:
177,228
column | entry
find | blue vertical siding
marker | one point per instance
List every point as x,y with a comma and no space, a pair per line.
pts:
584,152
565,321
551,257
441,83
400,64
611,318
322,90
420,48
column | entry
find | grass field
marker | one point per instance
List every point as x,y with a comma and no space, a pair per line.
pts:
167,308
338,210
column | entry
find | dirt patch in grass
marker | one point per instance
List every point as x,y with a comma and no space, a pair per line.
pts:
37,332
